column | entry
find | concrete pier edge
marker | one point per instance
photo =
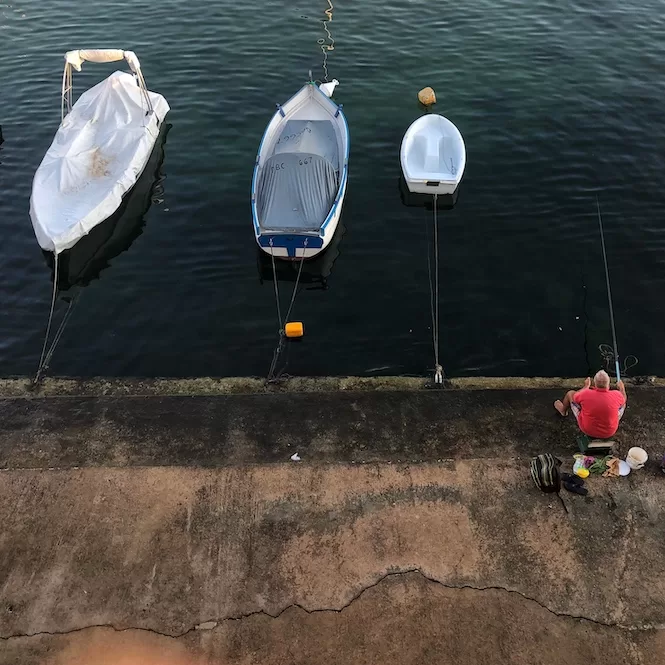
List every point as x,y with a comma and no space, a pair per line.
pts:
208,386
166,520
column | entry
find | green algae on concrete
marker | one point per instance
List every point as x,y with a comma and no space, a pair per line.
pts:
103,386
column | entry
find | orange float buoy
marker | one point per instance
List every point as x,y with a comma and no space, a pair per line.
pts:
427,96
294,329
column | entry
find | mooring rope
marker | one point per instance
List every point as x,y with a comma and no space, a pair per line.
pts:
282,322
434,295
50,319
60,331
322,42
274,279
48,351
295,287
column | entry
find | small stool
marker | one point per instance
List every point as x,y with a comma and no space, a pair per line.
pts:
589,446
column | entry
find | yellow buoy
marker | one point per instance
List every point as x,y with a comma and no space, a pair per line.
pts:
294,329
427,96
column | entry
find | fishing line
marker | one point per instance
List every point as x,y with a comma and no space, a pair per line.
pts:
607,356
615,347
586,321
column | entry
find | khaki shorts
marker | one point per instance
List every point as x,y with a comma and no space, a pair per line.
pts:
577,409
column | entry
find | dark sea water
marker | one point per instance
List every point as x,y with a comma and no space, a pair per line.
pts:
557,102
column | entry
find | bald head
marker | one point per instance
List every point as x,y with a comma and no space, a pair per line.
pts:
602,379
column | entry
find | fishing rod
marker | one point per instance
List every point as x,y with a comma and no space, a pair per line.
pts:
609,292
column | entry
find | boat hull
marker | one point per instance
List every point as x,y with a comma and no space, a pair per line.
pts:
419,200
433,156
314,272
438,187
290,242
294,246
93,253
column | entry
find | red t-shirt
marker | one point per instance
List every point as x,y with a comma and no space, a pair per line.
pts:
599,415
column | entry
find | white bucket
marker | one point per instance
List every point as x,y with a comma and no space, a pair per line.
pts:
636,458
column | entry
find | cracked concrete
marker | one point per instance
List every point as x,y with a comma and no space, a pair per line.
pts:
411,618
453,560
214,623
168,549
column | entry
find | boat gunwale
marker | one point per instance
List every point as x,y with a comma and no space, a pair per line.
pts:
280,116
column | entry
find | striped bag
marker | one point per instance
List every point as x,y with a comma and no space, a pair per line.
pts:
545,472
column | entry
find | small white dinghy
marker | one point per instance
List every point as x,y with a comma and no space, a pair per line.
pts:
99,151
300,175
433,155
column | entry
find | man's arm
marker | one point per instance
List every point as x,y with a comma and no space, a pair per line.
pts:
581,391
622,389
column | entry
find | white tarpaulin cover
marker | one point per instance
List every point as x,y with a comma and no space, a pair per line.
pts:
98,152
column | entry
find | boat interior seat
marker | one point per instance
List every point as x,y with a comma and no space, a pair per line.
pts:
431,156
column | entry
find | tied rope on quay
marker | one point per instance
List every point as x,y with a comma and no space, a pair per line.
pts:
48,351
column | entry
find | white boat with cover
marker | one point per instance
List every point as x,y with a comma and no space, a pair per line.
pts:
100,149
433,155
300,175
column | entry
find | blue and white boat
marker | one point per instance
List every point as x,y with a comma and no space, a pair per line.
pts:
300,175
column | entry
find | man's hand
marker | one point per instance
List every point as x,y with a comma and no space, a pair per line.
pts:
587,382
621,387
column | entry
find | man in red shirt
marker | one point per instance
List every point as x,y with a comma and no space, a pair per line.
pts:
597,409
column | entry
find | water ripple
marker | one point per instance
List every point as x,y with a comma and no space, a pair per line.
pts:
557,103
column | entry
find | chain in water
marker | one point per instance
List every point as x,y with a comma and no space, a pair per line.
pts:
325,47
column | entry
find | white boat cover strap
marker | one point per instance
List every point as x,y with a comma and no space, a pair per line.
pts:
296,192
77,58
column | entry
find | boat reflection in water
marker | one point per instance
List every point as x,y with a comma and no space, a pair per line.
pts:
84,262
315,271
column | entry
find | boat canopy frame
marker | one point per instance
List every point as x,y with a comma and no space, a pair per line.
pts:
75,59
